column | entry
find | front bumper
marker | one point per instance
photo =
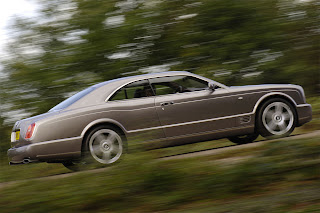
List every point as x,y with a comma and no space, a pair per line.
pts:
304,113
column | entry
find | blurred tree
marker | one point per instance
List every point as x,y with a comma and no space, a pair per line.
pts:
75,43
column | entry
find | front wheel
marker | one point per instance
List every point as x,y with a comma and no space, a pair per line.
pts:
276,118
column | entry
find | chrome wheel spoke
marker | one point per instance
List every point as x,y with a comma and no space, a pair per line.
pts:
286,116
100,137
97,149
269,114
106,156
115,149
272,125
282,126
279,108
111,137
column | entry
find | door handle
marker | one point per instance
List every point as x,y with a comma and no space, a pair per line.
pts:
166,103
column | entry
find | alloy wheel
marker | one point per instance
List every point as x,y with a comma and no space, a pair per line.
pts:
278,118
106,146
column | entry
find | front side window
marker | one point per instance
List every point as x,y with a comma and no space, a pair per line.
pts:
138,89
177,84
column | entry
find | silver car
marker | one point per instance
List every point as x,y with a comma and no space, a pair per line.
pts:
98,124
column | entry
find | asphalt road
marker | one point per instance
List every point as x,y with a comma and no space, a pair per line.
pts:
210,152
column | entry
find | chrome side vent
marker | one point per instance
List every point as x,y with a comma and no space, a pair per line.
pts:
245,119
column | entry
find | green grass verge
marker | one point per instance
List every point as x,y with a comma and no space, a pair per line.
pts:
283,177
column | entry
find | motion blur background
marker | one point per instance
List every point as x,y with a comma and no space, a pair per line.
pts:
64,46
67,45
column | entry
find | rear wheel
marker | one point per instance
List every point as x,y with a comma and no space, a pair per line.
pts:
103,146
276,118
243,139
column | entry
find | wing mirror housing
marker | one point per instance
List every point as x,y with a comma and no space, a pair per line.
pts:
211,86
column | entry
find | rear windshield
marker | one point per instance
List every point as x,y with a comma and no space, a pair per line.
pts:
64,104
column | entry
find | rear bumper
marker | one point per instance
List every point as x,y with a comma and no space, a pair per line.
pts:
48,151
304,113
21,155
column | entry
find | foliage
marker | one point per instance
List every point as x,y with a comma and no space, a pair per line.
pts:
75,43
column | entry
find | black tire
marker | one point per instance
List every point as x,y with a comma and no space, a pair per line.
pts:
276,118
73,165
243,139
102,146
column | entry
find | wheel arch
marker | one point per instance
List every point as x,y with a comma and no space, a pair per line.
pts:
102,122
270,96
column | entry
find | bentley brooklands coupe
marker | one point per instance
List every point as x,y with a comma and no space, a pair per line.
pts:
97,124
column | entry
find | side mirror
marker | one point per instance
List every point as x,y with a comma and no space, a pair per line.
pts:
211,86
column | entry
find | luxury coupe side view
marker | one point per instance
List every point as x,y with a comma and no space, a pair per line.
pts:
97,124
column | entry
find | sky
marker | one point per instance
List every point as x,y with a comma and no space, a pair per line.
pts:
10,8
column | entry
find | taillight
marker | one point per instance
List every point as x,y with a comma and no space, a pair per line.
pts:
30,130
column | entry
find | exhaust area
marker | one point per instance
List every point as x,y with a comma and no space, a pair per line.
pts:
24,161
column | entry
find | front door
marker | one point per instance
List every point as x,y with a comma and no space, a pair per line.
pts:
186,106
133,107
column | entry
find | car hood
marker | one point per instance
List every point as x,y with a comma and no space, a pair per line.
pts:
265,86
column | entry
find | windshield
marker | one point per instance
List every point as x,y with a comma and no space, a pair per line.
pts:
64,104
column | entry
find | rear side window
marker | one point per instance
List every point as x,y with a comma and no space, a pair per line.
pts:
64,104
138,89
177,84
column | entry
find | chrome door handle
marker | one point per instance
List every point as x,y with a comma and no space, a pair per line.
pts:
166,103
240,98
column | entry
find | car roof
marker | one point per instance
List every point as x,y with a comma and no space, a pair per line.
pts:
143,76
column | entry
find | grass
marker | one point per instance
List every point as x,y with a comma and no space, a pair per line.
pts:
283,177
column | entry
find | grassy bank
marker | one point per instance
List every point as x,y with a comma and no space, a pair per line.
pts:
281,176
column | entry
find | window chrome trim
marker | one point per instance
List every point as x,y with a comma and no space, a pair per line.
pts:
120,87
148,78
